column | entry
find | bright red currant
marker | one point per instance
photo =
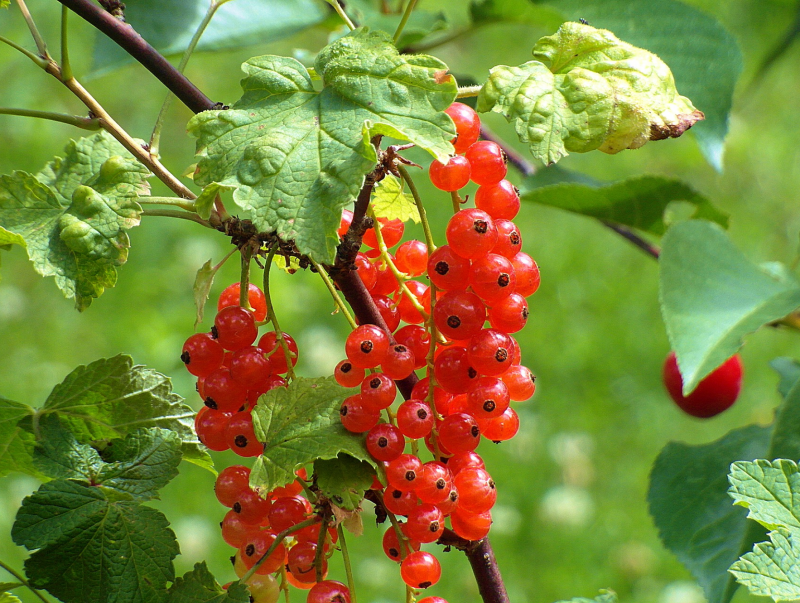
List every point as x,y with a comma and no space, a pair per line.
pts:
471,233
403,472
509,240
202,354
490,352
235,328
255,296
509,314
272,348
459,432
366,346
499,200
240,435
468,126
459,314
414,419
528,276
348,375
452,175
493,278
412,257
447,270
209,425
385,442
425,523
417,340
488,162
477,492
328,591
356,416
420,570
230,483
715,393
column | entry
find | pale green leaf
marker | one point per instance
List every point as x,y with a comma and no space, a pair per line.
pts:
587,90
16,438
8,238
773,568
91,547
638,202
390,201
767,489
8,597
202,286
298,156
200,586
344,480
712,296
300,424
605,596
74,214
289,264
703,56
9,585
235,25
4,3
205,200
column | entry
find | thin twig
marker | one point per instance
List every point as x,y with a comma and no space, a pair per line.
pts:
273,318
66,68
406,14
38,60
340,11
182,215
21,579
37,37
337,299
85,123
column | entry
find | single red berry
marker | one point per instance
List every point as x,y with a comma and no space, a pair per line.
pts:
408,312
344,223
528,277
366,346
202,354
412,257
392,547
366,270
488,162
452,175
235,328
288,511
252,509
459,432
499,200
209,425
418,340
414,419
400,502
447,270
231,481
348,375
258,302
463,460
435,483
272,348
471,233
328,591
403,472
400,362
386,284
391,231
502,428
468,126
459,314
222,392
493,278
378,391
234,530
520,381
432,600
249,367
715,393
271,383
509,239
487,398
425,523
472,526
449,504
509,314
385,442
420,570
490,352
256,545
301,562
477,492
356,416
453,370
240,435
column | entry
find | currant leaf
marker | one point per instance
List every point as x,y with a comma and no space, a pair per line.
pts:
90,544
16,438
699,267
8,597
772,569
344,480
587,90
299,424
205,200
390,201
298,156
200,586
202,286
74,214
605,596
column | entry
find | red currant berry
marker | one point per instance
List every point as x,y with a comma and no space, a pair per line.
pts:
356,417
366,346
240,435
441,398
414,419
443,452
256,545
301,562
385,442
344,223
400,502
378,391
488,162
432,600
425,523
258,302
459,432
366,271
408,312
391,231
463,460
459,314
715,393
235,328
472,526
490,352
231,481
448,270
348,375
500,200
449,504
471,233
477,492
252,509
528,277
274,351
520,381
417,340
510,314
209,425
452,175
492,278
501,428
420,569
202,354
403,472
509,239
435,483
393,548
292,579
453,371
234,531
388,311
288,511
292,488
399,363
487,398
412,257
249,367
468,126
328,591
222,392
387,283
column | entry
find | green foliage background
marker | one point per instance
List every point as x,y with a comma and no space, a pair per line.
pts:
571,515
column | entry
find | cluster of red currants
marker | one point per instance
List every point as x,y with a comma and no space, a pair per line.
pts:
476,370
232,372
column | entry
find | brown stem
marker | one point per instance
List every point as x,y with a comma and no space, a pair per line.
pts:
526,168
124,35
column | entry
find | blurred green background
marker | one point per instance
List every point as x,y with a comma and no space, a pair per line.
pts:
571,516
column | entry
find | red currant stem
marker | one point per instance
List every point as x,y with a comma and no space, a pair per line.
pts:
182,215
225,259
274,319
526,168
284,586
409,7
21,579
391,418
337,299
415,448
467,91
310,495
423,216
348,570
37,37
219,207
244,280
279,537
457,201
319,555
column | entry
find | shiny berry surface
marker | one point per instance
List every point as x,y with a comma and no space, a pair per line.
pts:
488,162
452,175
420,570
448,270
499,200
202,354
715,393
468,126
235,328
255,296
471,233
366,346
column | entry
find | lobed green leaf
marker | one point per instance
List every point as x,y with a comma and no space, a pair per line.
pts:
390,201
8,597
767,489
16,438
200,586
772,568
344,480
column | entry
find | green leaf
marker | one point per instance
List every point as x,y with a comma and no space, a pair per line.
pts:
772,569
767,489
74,214
205,200
638,202
390,201
4,3
90,546
587,90
605,596
200,586
202,286
300,424
789,371
485,12
16,438
298,156
235,25
9,585
8,597
112,397
344,480
59,455
704,57
712,296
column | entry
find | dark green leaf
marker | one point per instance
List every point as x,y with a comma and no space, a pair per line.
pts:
9,585
712,296
587,90
789,371
300,424
91,547
298,156
199,586
703,56
16,438
60,456
74,214
344,480
638,202
235,24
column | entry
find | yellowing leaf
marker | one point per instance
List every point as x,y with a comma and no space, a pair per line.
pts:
390,201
